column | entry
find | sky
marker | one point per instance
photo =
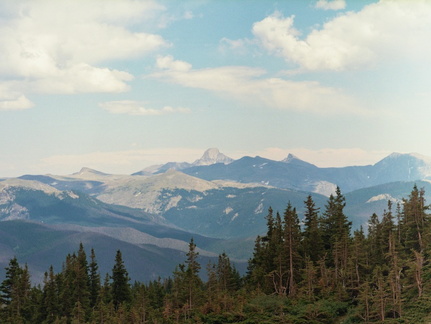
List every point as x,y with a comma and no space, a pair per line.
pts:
119,85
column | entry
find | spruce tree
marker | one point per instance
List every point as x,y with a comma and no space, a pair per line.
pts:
312,237
14,293
120,288
194,283
292,248
94,277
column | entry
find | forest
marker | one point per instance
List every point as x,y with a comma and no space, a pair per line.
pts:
316,270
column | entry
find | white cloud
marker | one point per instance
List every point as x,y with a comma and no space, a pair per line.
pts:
82,78
11,99
168,62
18,103
238,46
62,46
167,19
382,32
250,86
331,5
130,107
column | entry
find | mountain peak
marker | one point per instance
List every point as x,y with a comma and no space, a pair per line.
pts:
398,156
290,157
86,171
293,159
212,156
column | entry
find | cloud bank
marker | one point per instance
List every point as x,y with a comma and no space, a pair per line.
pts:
62,46
253,87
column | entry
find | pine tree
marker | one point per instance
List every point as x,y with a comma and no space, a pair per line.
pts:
375,241
312,237
7,287
51,304
81,282
336,235
120,287
292,247
415,222
94,277
14,293
194,283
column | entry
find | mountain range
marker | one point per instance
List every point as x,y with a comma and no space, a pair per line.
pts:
152,214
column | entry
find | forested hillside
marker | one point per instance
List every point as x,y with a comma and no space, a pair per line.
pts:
313,271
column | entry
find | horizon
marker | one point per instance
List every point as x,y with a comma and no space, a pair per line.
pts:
234,159
120,86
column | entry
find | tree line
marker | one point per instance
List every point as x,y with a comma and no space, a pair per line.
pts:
314,271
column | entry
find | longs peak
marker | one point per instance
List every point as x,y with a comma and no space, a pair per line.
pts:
212,156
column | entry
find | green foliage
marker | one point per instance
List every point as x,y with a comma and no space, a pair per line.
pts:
120,288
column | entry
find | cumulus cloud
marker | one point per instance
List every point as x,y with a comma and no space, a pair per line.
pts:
380,32
11,99
62,46
18,103
331,5
251,86
168,62
130,107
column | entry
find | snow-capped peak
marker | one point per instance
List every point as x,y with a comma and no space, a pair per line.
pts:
212,156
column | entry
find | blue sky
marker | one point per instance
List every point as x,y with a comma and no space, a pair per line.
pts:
121,85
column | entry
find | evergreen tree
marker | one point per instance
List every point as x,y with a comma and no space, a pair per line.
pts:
120,287
50,302
292,248
336,236
7,287
194,283
14,292
415,222
312,237
94,277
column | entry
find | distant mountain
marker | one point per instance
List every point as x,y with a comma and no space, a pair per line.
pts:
297,174
70,217
362,203
146,193
41,245
215,199
211,156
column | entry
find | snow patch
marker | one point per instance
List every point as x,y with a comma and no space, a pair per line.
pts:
230,196
262,165
195,198
259,209
382,197
325,188
228,210
14,212
173,202
72,195
234,216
